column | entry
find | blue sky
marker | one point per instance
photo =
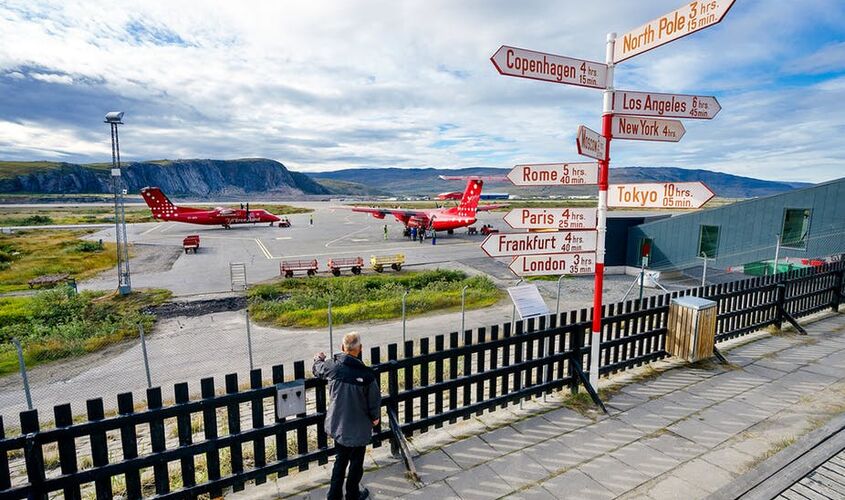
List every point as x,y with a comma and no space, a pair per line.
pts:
329,85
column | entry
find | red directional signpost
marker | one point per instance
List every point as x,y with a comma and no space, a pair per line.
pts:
544,265
655,108
647,129
513,244
557,218
555,174
659,195
626,102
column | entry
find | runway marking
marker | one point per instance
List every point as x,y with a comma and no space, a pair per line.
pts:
150,230
346,236
264,249
284,238
168,228
359,240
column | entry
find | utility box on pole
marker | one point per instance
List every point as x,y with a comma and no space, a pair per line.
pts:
691,328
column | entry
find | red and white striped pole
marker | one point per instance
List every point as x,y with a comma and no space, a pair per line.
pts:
604,167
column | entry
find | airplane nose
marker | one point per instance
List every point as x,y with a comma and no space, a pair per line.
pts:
274,218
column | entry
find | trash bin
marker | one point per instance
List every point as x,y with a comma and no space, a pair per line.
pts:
691,328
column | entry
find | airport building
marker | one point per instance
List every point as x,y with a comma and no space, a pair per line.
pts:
798,226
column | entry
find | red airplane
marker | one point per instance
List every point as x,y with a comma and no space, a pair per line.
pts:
440,219
163,209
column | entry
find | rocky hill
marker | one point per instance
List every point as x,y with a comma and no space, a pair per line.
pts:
426,181
182,178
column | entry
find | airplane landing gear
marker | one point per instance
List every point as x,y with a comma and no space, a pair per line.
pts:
450,231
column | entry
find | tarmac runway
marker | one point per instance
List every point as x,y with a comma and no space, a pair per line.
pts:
335,233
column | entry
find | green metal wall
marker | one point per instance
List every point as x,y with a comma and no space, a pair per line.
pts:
747,231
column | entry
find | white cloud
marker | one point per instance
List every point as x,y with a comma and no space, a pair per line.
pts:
327,85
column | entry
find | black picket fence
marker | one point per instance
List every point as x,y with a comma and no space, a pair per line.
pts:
231,437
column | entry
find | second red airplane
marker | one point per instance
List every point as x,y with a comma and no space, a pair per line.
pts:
163,209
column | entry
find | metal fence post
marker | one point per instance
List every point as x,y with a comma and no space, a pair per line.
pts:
704,272
463,306
780,304
22,366
777,254
146,358
248,337
404,296
836,300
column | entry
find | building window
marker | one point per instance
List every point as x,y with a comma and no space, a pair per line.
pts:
796,227
708,241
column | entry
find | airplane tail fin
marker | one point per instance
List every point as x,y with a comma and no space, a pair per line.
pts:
158,202
469,201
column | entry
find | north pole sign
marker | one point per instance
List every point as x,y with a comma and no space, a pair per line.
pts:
659,195
590,143
552,218
523,63
556,264
626,102
692,17
511,244
647,129
555,174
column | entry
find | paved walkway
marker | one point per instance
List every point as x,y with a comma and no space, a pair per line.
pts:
682,434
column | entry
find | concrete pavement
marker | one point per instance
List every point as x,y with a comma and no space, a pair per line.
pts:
684,433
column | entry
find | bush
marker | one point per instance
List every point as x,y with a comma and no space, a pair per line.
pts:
87,246
37,220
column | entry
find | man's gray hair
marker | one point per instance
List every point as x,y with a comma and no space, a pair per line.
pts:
351,341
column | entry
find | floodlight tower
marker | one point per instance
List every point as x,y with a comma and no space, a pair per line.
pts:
124,283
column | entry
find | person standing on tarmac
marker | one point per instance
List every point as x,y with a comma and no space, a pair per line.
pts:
385,232
413,233
354,410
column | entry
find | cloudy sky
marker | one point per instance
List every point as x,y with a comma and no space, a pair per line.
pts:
328,85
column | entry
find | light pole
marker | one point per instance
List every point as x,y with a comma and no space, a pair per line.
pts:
463,306
557,306
124,282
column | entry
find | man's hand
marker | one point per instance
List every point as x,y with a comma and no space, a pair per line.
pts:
376,421
320,356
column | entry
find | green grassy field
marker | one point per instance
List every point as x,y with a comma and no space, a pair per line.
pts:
303,302
28,254
59,323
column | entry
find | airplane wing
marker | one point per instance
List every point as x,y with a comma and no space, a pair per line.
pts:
402,215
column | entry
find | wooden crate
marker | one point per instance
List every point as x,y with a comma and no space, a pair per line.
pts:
691,328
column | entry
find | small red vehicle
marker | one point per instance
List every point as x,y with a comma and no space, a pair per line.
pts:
288,267
355,264
284,222
191,243
488,229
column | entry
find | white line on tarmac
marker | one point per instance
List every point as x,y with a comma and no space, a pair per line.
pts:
347,235
150,230
264,249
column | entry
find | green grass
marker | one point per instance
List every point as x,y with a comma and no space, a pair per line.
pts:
28,254
303,302
58,323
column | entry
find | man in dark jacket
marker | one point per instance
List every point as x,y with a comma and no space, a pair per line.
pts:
354,410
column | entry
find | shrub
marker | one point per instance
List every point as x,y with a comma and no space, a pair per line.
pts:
87,246
37,220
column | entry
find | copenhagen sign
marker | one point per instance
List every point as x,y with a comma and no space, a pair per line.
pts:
556,218
555,174
647,129
557,264
692,17
659,195
523,63
590,143
626,102
510,244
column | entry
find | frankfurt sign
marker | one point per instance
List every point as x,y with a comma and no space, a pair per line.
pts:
554,264
555,218
591,143
555,174
523,63
659,195
510,244
626,102
647,129
692,17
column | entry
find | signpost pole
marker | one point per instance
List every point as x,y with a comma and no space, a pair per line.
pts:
704,271
463,307
404,296
642,278
777,254
604,167
331,340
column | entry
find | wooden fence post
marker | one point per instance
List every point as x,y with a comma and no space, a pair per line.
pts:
780,303
836,300
33,454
